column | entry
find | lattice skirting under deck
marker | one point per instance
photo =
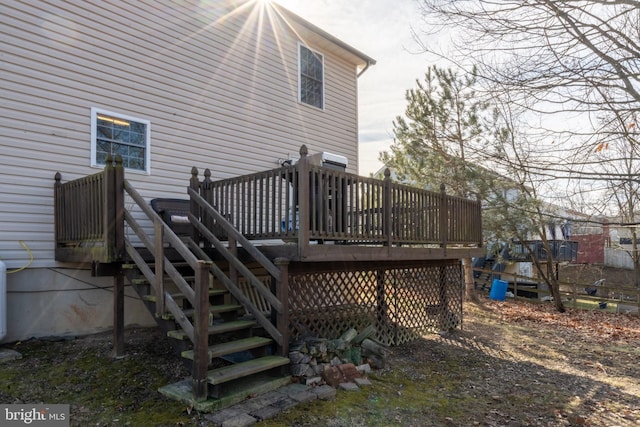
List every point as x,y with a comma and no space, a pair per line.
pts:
403,302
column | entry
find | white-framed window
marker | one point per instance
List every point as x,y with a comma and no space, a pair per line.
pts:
114,133
311,77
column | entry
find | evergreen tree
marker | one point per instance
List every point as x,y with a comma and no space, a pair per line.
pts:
442,135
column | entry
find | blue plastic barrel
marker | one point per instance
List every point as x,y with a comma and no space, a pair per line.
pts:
498,290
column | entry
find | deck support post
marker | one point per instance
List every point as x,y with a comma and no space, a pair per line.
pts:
201,331
282,293
118,314
115,242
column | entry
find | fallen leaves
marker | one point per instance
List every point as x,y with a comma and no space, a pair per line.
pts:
595,326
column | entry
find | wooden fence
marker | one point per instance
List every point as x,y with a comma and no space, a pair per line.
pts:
620,299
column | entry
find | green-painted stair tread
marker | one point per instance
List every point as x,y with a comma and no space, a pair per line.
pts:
213,309
216,328
240,370
212,292
144,281
222,349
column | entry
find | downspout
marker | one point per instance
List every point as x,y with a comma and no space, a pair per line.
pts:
366,67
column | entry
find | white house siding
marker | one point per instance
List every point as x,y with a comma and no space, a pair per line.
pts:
219,89
618,258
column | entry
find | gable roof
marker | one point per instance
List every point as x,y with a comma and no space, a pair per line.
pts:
310,32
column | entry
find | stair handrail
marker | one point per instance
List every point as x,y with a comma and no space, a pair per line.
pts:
271,268
171,237
164,299
239,295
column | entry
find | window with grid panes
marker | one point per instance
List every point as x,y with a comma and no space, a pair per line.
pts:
311,77
117,134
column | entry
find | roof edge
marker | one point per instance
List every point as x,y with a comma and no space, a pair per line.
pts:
290,15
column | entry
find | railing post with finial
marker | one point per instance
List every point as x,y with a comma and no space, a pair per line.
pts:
118,199
194,184
206,191
109,212
303,201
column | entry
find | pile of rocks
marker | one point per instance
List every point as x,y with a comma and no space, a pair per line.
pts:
337,361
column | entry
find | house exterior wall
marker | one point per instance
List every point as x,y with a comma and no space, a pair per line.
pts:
590,248
218,83
618,258
65,302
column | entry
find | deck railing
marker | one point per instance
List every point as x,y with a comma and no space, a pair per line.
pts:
306,202
299,203
561,250
89,225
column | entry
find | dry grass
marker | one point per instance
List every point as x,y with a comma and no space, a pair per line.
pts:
513,364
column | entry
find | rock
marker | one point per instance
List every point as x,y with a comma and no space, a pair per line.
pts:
349,371
310,372
325,392
332,376
319,368
366,333
299,370
375,362
296,357
349,387
362,382
349,335
313,381
364,369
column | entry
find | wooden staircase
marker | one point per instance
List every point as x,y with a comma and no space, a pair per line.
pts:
229,344
235,351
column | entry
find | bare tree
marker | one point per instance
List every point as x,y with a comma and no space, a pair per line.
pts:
551,55
618,151
574,67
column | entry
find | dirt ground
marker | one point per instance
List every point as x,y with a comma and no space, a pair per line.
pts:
512,364
586,274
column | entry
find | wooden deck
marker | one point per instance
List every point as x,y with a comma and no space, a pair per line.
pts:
292,246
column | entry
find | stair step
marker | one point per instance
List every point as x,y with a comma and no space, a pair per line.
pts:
216,328
133,266
144,281
240,370
213,309
179,296
230,347
254,385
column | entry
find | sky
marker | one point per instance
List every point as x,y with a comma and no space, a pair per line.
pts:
380,29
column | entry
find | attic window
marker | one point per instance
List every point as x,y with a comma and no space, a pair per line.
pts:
117,134
311,77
